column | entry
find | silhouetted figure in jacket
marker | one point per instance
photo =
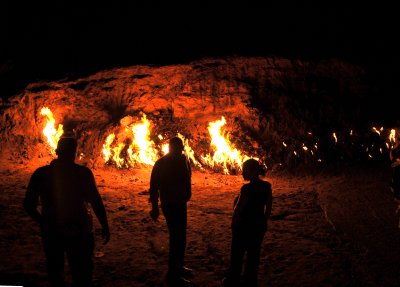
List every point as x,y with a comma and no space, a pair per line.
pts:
65,190
252,209
171,182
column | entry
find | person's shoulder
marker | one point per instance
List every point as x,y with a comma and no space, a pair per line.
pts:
265,186
246,187
41,170
83,169
161,160
265,183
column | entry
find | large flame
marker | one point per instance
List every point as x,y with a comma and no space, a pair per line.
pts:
141,150
52,134
225,155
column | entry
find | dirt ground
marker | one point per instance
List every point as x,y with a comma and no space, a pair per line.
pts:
336,228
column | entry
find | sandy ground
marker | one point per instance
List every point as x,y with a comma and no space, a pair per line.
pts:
329,229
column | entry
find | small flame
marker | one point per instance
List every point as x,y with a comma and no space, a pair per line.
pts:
165,148
52,134
284,144
335,137
225,154
374,129
392,136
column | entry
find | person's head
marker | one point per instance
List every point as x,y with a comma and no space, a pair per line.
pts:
175,146
66,148
252,169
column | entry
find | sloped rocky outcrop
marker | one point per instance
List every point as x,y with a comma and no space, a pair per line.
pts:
265,100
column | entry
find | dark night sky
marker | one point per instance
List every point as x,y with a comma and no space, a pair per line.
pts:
52,39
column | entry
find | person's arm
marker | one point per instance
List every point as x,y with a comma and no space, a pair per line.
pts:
31,199
268,204
98,208
189,188
154,190
239,207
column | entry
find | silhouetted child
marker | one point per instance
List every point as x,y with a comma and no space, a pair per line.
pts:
252,209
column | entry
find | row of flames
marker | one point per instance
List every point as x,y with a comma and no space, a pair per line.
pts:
388,137
139,149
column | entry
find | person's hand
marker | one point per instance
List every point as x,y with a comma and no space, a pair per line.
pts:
154,213
105,234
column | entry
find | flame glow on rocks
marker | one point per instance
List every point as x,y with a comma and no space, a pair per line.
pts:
51,133
225,155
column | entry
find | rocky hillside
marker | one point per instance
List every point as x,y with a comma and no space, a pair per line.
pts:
273,106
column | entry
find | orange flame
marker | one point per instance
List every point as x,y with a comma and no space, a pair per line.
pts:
188,151
392,136
143,147
52,134
224,154
107,147
141,150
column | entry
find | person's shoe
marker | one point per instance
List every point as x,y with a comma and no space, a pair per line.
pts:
186,272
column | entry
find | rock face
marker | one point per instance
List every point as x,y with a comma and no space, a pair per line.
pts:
265,101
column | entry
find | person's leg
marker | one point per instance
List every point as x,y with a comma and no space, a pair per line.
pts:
168,212
176,218
80,259
53,247
236,260
253,259
181,225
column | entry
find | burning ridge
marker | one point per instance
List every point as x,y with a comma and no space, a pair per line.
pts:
279,111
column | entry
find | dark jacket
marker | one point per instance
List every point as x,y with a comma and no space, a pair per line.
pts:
171,180
253,207
64,190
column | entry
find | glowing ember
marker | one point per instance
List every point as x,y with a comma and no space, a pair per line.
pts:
225,155
52,134
335,137
374,129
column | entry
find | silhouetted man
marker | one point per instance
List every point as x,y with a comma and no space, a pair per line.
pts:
171,181
64,190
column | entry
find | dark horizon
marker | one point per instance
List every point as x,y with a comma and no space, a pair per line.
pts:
55,39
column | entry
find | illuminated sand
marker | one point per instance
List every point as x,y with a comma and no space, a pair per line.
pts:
301,248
